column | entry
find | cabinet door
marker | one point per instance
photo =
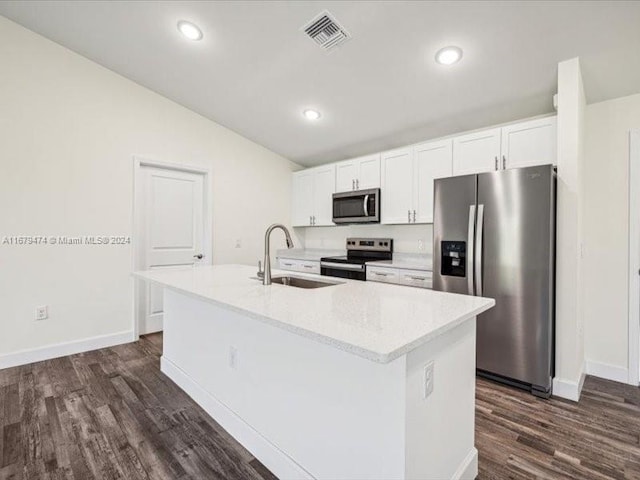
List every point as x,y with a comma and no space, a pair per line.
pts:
431,160
529,143
397,181
302,198
346,175
477,152
324,186
369,172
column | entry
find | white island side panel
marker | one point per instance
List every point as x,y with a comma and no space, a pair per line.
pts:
309,410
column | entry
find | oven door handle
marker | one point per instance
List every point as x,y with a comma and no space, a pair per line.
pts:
366,205
343,266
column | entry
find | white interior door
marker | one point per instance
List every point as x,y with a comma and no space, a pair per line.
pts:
173,231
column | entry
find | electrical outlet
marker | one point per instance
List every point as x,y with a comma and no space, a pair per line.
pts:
233,357
428,379
42,312
238,243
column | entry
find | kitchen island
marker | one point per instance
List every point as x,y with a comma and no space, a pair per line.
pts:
356,380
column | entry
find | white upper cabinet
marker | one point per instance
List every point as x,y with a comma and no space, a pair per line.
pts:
358,174
407,181
476,152
346,174
431,160
311,196
406,175
324,187
529,143
369,176
396,198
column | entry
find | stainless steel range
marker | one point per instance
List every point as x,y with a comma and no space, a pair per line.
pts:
359,252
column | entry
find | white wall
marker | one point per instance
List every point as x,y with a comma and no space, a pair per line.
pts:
569,320
68,130
605,232
406,238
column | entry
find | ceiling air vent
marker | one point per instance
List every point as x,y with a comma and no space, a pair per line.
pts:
325,31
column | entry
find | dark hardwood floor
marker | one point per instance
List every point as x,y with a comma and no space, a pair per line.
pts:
111,414
522,437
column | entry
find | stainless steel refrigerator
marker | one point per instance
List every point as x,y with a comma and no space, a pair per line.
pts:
494,236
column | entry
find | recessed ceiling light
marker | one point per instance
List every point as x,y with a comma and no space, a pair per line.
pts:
449,55
189,30
311,114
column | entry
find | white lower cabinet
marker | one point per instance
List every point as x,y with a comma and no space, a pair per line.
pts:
416,278
306,266
400,276
382,274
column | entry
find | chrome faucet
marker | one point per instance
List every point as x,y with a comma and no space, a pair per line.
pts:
266,275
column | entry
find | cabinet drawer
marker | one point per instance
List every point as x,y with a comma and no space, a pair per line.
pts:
382,274
309,266
416,278
306,266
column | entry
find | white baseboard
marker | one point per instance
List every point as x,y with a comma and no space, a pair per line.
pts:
48,352
569,389
468,470
151,325
608,372
282,466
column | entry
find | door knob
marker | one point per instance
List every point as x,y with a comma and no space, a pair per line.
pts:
199,256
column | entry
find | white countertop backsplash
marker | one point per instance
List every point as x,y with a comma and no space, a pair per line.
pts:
408,261
377,321
314,254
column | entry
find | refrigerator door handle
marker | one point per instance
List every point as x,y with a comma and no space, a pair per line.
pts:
471,249
478,253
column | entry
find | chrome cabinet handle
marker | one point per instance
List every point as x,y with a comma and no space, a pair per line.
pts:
478,255
366,205
408,216
307,266
470,248
381,274
199,256
310,220
418,278
357,184
414,216
314,219
343,266
496,162
353,184
504,162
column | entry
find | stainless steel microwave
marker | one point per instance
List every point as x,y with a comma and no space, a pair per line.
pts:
361,206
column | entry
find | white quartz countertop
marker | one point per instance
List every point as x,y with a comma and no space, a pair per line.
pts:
377,321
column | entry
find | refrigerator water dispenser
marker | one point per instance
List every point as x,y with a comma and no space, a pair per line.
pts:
453,262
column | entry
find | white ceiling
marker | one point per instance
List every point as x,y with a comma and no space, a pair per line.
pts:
255,71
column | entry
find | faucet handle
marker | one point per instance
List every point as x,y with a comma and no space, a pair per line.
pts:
260,271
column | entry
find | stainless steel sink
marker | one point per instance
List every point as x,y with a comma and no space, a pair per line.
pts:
301,282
